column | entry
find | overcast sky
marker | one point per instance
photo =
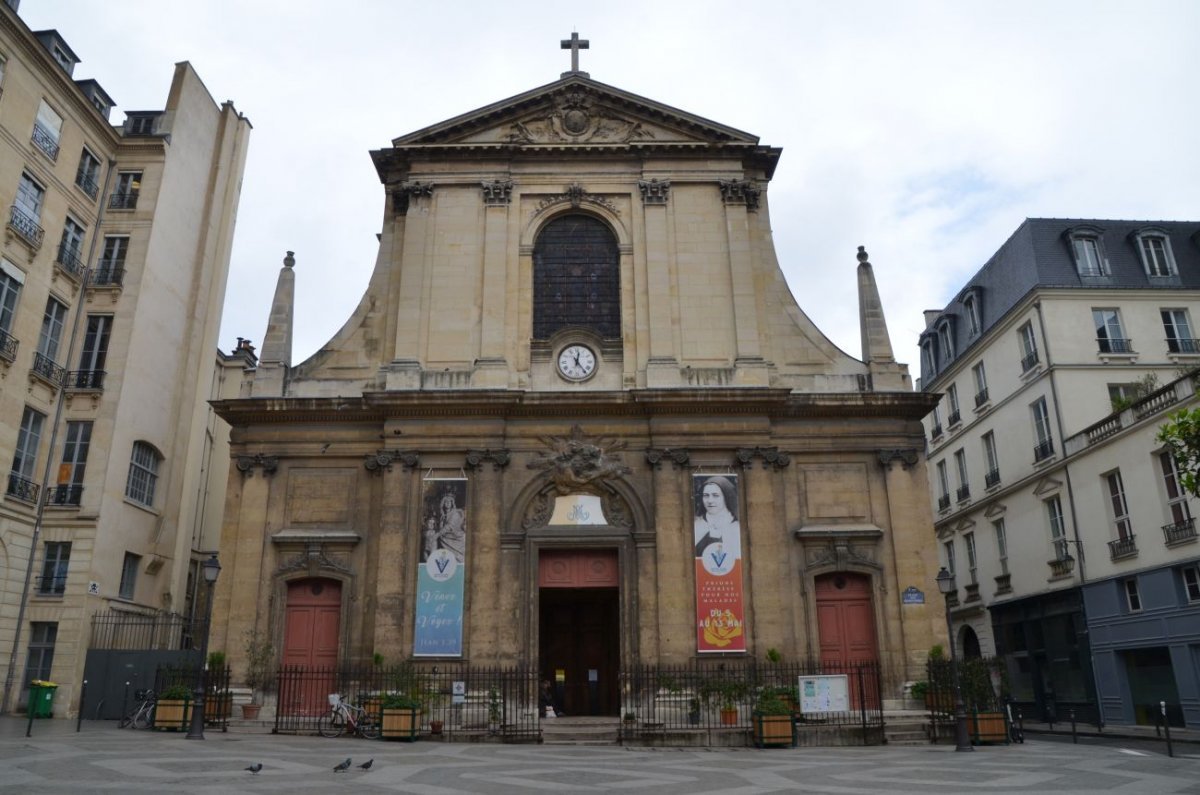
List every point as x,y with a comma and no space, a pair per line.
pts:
925,131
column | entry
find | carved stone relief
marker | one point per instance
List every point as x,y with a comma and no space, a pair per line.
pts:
654,191
576,195
382,460
404,192
576,119
772,457
499,458
679,456
497,191
579,461
246,464
740,191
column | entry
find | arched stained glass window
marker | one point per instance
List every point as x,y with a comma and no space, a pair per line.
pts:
576,277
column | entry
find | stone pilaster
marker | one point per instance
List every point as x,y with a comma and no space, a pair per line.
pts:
662,368
491,368
751,369
486,624
396,559
405,369
765,567
676,571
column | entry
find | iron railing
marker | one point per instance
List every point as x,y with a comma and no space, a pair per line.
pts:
131,631
123,201
963,492
68,260
85,379
1183,345
46,141
984,689
51,585
8,346
46,368
1028,361
109,274
981,397
935,432
22,488
64,494
943,502
1179,531
87,183
1122,547
1043,450
218,701
991,478
459,701
26,226
1115,344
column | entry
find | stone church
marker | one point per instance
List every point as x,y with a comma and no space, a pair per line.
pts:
579,422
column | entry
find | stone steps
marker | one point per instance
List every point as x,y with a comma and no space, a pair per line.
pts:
581,731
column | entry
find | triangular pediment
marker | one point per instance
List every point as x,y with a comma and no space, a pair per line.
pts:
576,111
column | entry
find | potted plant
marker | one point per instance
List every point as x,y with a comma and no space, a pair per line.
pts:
173,708
219,703
260,660
726,693
772,719
693,711
401,716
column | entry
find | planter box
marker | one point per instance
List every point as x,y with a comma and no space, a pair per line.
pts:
401,723
172,715
988,727
777,730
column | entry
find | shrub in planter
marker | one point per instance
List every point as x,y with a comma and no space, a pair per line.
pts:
401,716
173,708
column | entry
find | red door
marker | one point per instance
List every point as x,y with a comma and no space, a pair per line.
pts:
310,639
845,618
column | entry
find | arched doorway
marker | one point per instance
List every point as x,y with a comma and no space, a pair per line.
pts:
312,625
845,619
576,277
969,643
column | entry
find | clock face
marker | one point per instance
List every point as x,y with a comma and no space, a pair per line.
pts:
576,362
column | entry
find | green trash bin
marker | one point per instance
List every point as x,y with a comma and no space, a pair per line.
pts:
41,698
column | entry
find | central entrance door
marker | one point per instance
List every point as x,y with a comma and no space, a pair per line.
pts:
579,629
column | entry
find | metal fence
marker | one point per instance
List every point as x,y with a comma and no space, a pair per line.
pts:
723,696
218,701
119,630
985,695
458,701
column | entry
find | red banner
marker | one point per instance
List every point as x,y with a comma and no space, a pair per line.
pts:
720,615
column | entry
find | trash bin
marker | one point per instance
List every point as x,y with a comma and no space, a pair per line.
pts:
41,698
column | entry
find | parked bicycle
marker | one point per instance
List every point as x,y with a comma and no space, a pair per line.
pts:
344,716
142,714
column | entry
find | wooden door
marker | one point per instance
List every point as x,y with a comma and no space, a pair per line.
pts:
312,624
845,619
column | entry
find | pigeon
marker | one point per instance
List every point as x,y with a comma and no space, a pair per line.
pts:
367,764
342,766
254,768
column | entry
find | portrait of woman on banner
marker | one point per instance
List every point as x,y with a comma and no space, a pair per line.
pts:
445,523
717,528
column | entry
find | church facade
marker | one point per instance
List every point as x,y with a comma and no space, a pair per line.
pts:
578,422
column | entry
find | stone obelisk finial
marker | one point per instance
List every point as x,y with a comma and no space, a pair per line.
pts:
276,356
876,345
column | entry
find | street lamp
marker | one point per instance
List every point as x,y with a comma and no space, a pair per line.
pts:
211,568
962,739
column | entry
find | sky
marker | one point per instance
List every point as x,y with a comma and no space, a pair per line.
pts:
925,131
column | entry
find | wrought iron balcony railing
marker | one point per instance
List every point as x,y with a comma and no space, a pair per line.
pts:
85,379
8,346
53,585
1043,451
87,184
1122,548
108,274
45,141
954,419
935,432
64,494
963,492
981,397
1180,532
68,259
22,488
1028,362
1115,345
1183,345
991,478
26,226
45,367
123,201
943,502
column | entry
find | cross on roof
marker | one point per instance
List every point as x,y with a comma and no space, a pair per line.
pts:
575,44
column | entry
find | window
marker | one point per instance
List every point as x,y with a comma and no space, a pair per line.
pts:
95,350
1191,582
111,269
971,310
141,125
1058,532
47,129
129,185
11,279
1089,257
981,389
54,568
1120,508
943,486
577,277
69,490
71,247
945,340
927,356
40,658
960,466
1179,331
1177,503
29,197
1001,543
143,474
29,439
1109,335
129,572
969,540
52,329
1029,351
955,416
990,459
936,430
87,176
949,547
1044,442
1132,597
1156,255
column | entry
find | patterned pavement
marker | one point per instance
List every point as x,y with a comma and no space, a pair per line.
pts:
103,758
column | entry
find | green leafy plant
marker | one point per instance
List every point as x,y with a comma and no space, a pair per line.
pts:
493,705
399,701
773,656
176,693
260,662
216,660
630,717
919,689
724,692
1181,435
937,652
377,659
771,701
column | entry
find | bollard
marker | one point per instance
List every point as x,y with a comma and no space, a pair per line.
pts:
1074,736
29,711
1020,727
82,700
125,702
1166,727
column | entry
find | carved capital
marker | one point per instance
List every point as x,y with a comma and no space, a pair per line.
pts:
575,193
404,192
654,191
313,561
382,460
772,457
841,556
499,458
497,192
740,191
246,464
678,456
907,457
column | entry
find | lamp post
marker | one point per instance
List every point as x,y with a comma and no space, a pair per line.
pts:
962,738
211,568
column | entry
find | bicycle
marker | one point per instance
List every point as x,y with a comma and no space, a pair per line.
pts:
345,716
142,715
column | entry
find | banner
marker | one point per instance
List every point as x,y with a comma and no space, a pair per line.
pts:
441,571
720,616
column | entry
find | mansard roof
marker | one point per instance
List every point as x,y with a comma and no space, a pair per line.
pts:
576,115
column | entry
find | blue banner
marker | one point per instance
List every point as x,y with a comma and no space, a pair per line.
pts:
441,573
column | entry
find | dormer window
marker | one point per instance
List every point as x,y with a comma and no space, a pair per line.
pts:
945,339
1155,249
927,355
1088,249
140,123
971,310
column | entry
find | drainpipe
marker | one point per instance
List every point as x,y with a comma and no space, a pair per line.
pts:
58,412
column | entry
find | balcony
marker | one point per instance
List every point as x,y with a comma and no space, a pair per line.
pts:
1122,548
943,502
981,397
1061,567
22,488
64,495
1043,451
26,227
1184,346
1180,532
1028,362
69,262
110,273
963,493
935,433
52,585
123,201
972,592
45,140
85,380
992,478
1115,345
47,370
8,346
87,184
1003,584
954,419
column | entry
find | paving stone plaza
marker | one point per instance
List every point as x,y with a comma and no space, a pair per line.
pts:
102,758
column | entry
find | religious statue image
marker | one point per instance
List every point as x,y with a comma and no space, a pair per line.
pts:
444,522
716,509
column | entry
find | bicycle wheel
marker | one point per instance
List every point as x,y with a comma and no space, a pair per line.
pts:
124,722
368,726
331,725
144,718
